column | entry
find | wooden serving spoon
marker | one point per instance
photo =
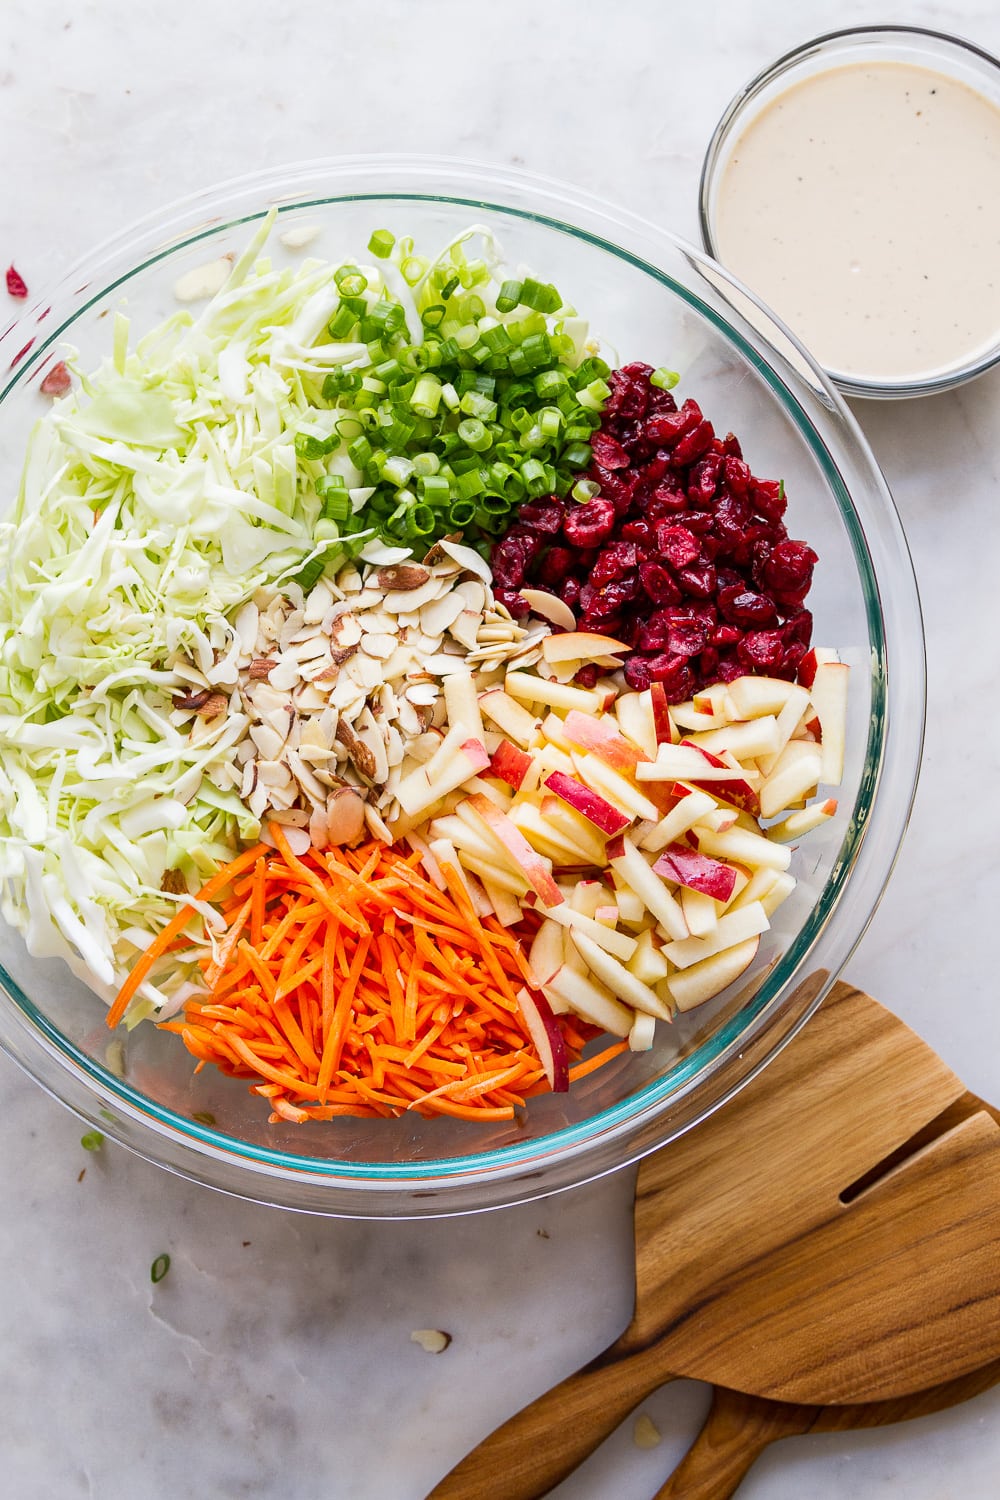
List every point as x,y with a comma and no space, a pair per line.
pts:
738,1428
783,1246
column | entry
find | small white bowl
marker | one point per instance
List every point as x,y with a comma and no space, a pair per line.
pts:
952,57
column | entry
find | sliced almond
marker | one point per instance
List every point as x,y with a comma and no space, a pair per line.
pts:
377,645
402,576
345,816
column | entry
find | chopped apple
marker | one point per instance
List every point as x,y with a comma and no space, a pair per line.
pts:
622,984
549,1041
451,765
740,846
752,697
503,875
647,962
712,975
500,796
620,790
580,645
554,730
545,956
506,906
509,716
758,886
544,837
700,912
718,819
795,775
463,834
552,758
590,806
733,927
638,875
745,740
663,723
447,858
462,704
686,762
536,870
642,1033
829,697
631,910
606,916
692,805
799,823
593,1001
738,791
634,712
575,830
529,689
789,725
780,890
512,765
597,735
686,866
586,896
618,943
815,657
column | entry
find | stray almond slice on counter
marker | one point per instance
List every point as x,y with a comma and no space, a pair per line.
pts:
432,1340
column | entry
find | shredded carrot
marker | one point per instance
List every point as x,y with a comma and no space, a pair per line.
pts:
347,983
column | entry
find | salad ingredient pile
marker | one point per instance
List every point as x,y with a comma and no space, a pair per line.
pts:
394,697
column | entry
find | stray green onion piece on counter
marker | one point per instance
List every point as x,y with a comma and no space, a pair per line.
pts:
159,1268
93,1140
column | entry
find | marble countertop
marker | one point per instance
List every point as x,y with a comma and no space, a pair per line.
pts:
275,1360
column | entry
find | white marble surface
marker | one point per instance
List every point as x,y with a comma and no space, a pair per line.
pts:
275,1359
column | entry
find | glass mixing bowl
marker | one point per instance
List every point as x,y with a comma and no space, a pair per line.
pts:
653,298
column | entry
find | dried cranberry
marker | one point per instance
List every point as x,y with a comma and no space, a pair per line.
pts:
637,673
686,638
666,500
556,565
703,480
16,284
677,544
761,650
659,583
609,453
587,675
569,592
736,476
513,602
698,580
798,627
668,428
725,635
511,558
591,524
731,445
693,445
545,516
741,606
616,561
769,499
789,566
675,674
638,531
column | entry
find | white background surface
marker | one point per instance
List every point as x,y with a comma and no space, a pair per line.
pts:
275,1360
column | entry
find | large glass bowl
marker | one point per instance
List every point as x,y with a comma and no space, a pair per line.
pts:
652,298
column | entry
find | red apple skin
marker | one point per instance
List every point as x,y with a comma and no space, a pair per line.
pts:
607,744
535,869
477,753
662,722
510,764
547,1037
739,793
807,669
582,800
616,847
697,871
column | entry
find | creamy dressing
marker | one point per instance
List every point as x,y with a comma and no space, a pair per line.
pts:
863,204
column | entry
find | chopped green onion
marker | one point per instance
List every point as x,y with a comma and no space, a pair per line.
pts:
577,455
474,435
420,521
350,281
509,296
426,396
342,323
664,379
381,243
540,295
204,1117
535,478
461,513
93,1140
585,489
159,1268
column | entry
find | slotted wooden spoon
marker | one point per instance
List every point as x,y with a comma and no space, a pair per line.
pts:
775,1256
738,1427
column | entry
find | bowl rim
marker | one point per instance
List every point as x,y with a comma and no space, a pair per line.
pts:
741,105
629,1122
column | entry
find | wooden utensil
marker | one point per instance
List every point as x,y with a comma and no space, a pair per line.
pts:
738,1428
775,1255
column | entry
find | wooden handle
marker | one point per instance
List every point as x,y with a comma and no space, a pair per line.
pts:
544,1442
735,1433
